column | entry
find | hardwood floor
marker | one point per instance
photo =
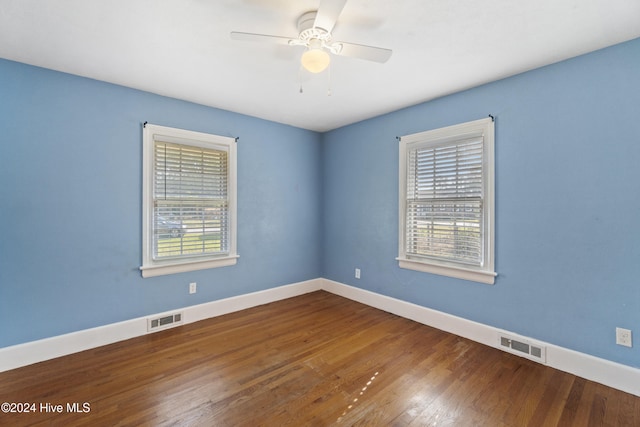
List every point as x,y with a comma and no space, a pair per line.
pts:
313,360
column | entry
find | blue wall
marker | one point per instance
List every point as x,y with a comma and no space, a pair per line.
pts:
70,204
567,203
310,205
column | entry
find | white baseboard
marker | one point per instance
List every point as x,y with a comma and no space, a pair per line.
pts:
37,351
605,372
611,374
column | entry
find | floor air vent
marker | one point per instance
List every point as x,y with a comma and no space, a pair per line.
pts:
164,322
523,348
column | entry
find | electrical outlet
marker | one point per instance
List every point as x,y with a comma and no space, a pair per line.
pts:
193,287
357,273
623,337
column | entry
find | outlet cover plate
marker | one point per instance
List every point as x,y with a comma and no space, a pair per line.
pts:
623,337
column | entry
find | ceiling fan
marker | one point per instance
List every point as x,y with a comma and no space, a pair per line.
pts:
315,34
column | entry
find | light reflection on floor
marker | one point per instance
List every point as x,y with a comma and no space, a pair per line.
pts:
355,399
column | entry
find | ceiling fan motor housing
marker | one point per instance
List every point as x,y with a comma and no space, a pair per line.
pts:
314,37
306,20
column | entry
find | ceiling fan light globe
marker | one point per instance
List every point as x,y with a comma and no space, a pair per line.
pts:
315,60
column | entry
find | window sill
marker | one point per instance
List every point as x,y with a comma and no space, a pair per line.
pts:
487,277
182,267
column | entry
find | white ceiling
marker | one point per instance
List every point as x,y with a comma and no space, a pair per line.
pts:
182,48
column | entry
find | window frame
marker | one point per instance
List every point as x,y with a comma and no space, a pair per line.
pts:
451,135
156,267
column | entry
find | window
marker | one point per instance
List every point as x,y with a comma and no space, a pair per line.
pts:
189,201
446,201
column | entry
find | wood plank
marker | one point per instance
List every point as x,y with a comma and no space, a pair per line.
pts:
313,360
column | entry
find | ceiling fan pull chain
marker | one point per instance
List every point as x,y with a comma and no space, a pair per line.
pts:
329,78
300,78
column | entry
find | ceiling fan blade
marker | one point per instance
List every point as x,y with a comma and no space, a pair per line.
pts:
328,13
261,38
370,53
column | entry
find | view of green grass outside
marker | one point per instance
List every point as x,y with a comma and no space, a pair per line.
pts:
189,243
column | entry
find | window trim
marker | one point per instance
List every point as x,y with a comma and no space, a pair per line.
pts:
151,133
486,272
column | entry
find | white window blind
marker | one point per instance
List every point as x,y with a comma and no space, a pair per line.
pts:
445,202
190,196
189,201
